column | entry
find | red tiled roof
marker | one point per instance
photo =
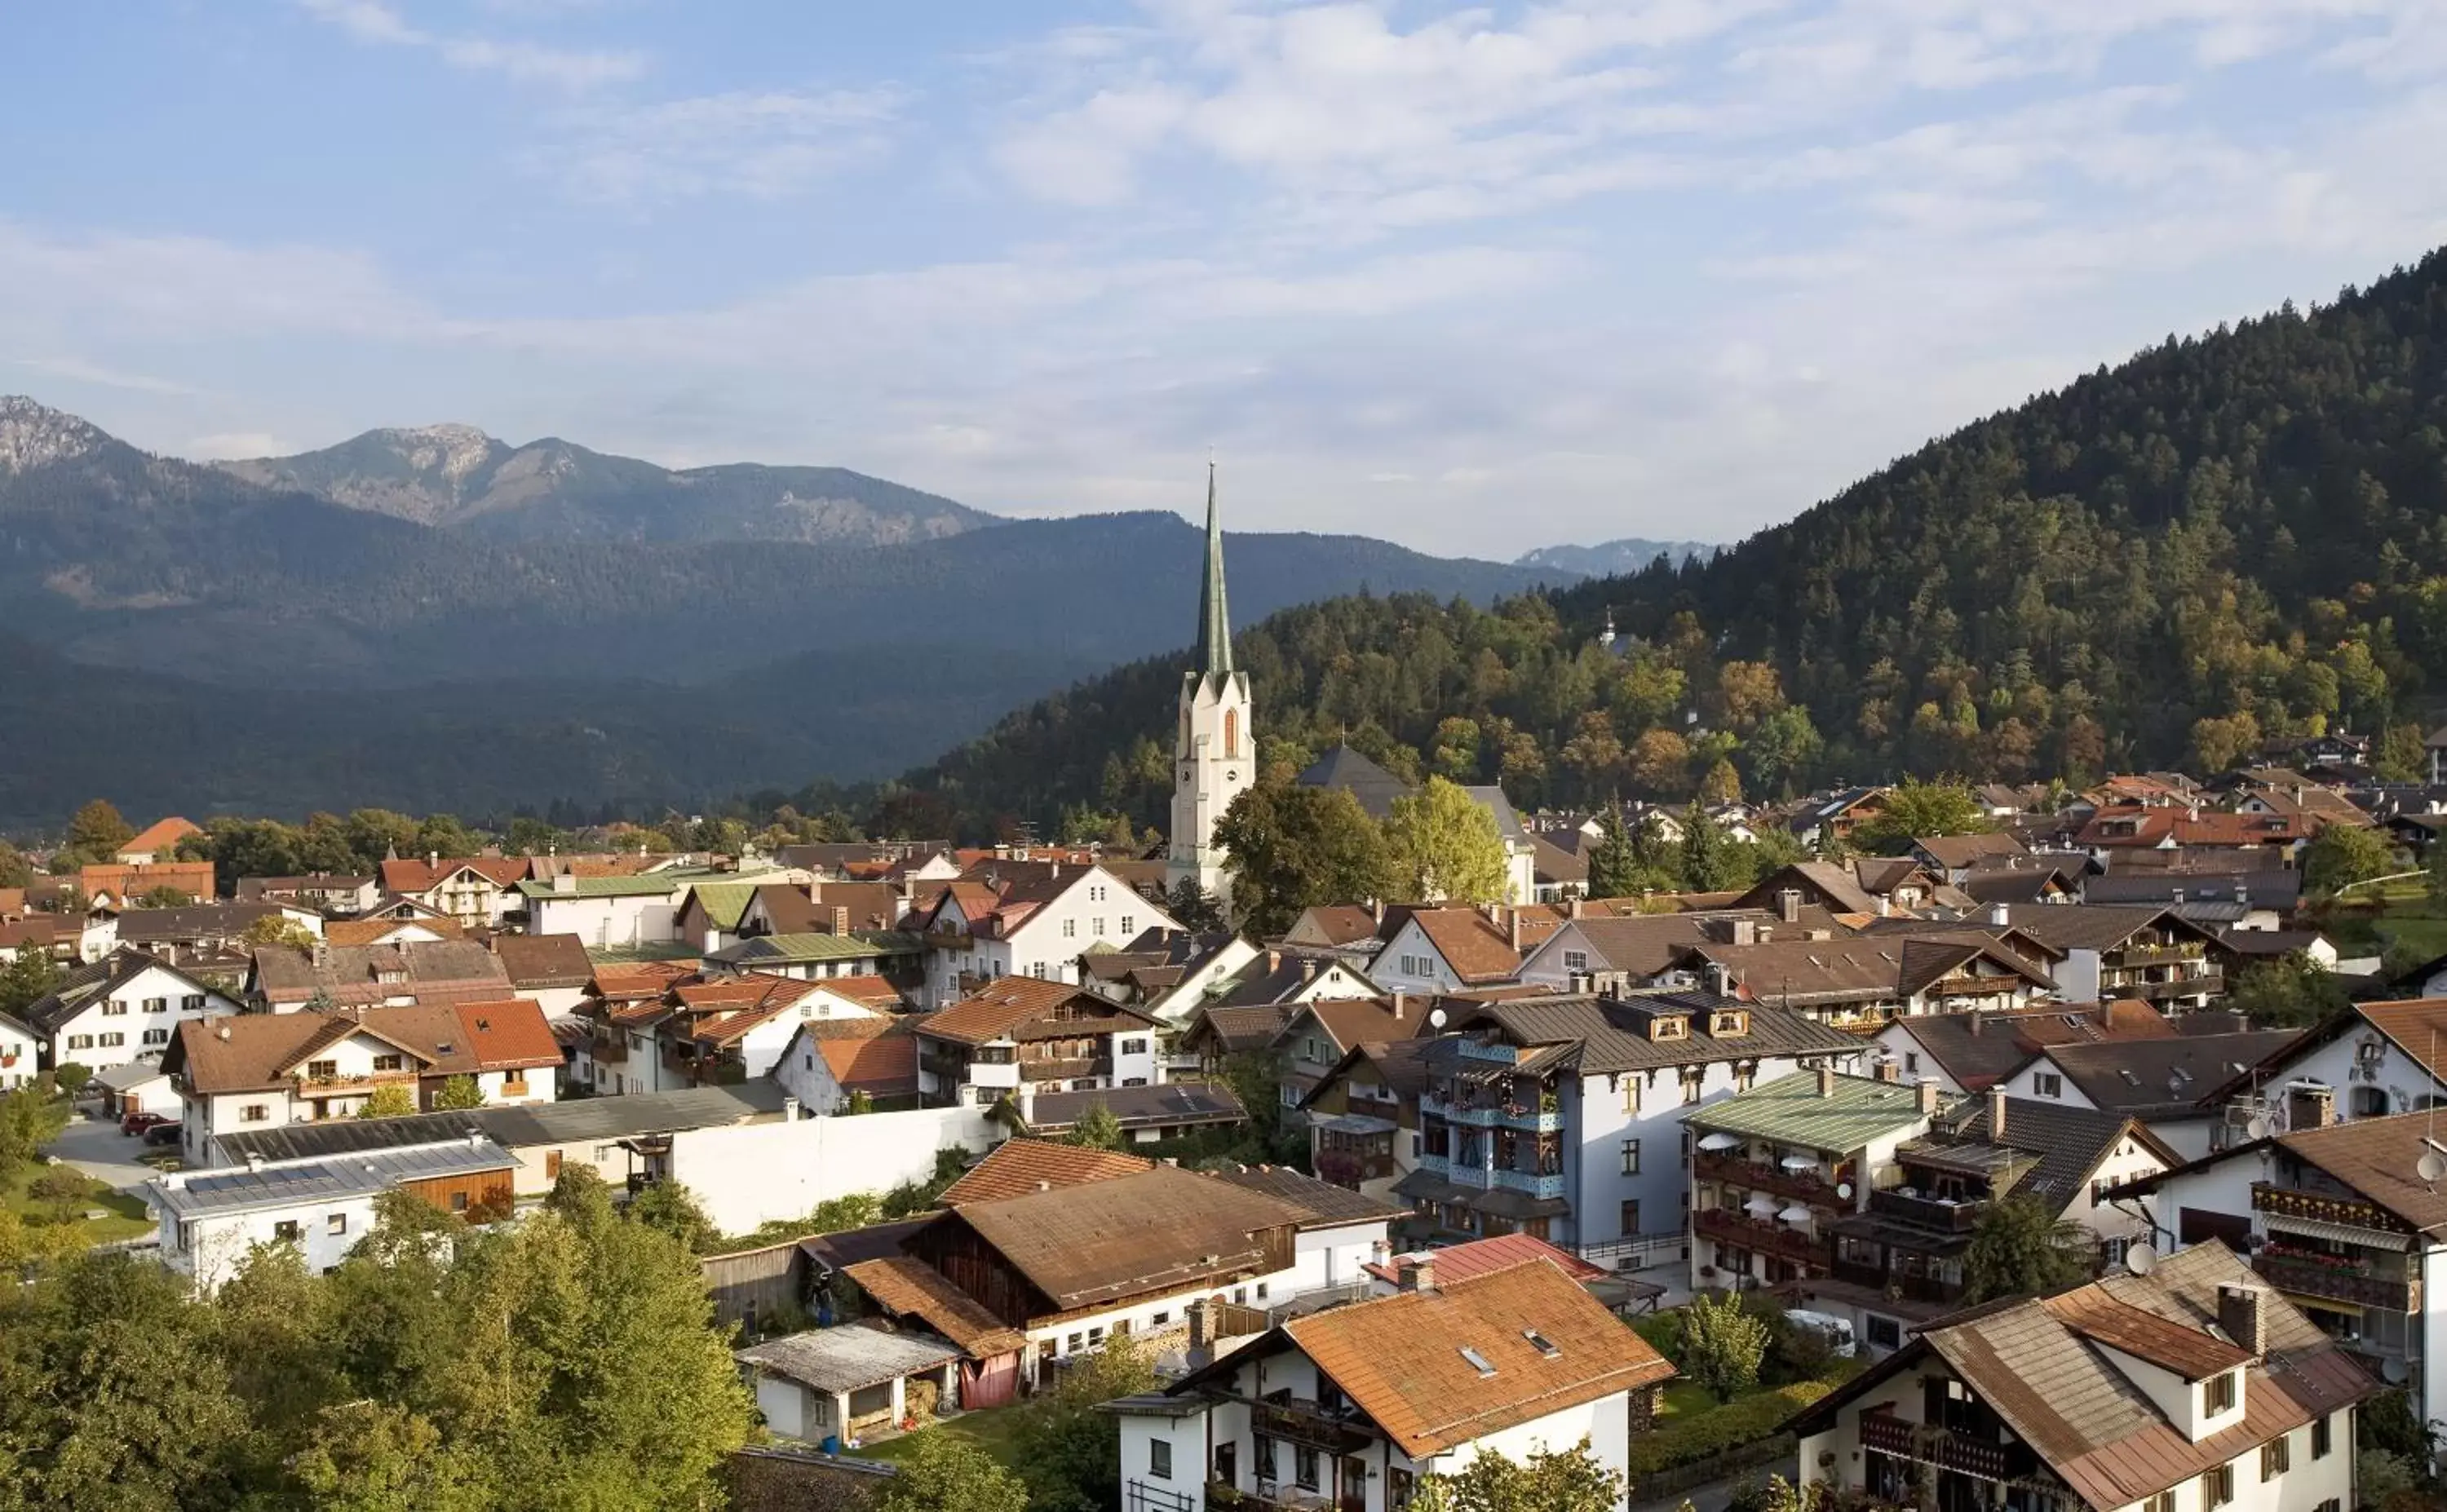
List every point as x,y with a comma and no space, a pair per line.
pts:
506,1034
1017,1167
1460,1262
159,835
881,1066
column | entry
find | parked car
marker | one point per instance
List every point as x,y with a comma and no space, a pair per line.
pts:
166,1133
138,1123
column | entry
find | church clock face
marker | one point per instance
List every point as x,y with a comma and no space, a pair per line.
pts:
1231,777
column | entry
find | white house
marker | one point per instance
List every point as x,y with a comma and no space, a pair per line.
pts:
1035,926
737,1026
212,1218
125,1007
480,891
1452,950
2170,1084
1349,1407
2368,1060
825,1062
2113,1395
608,911
21,1053
1021,1034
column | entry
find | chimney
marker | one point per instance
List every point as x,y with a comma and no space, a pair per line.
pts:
1788,905
2243,896
1972,1022
255,1163
1516,931
1889,1070
2001,915
1027,1100
1745,931
1417,1273
433,860
475,1139
2244,1318
789,1111
841,921
1826,1081
1274,962
1927,1090
1720,978
1578,903
1376,907
1397,1006
1996,1114
1308,968
564,881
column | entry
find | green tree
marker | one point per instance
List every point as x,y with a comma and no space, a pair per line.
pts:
1614,865
73,1077
2293,992
945,1474
98,830
667,1207
16,871
1443,844
1073,1455
2341,855
1722,1345
458,1093
1097,1128
163,897
857,1101
30,1117
29,976
1550,1479
2402,757
1290,848
391,1101
1722,784
379,1457
1197,909
279,928
1712,863
2020,1247
1913,810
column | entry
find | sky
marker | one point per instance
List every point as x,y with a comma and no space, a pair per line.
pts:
1476,279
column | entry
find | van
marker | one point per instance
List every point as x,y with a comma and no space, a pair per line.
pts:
1836,1330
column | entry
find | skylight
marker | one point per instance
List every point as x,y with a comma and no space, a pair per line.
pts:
1542,1344
1477,1362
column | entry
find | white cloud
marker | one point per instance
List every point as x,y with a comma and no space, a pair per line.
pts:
78,370
376,24
237,445
765,144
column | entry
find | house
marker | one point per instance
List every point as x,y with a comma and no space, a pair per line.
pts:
139,1086
887,953
728,1028
1971,1052
1333,1245
1559,866
1349,931
1865,982
1349,1407
1561,1116
2244,841
1026,1034
1375,789
387,928
330,894
2142,950
2042,879
1035,926
832,1385
156,843
1898,1256
480,892
1363,1115
288,978
2367,1060
264,1070
2172,1085
1837,815
1602,952
210,1220
2245,901
827,1062
1068,1266
643,909
1019,1166
119,885
914,1297
624,1005
122,1008
21,1053
210,941
1168,973
1288,979
553,969
1145,1114
2192,1386
1316,1035
1457,1262
1448,950
1956,857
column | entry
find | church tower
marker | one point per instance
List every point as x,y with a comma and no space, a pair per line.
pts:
1215,753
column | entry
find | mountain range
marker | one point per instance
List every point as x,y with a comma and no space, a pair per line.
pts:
265,638
1611,557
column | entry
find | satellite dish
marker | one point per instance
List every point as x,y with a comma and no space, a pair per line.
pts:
2432,1165
2257,1125
1843,1190
1436,1018
2394,1371
2142,1259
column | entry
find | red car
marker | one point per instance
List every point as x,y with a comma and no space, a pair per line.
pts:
138,1123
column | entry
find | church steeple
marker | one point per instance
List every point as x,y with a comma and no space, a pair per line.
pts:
1214,619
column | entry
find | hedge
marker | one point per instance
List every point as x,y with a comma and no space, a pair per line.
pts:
1701,1435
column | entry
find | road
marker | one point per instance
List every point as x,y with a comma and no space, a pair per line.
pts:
96,1147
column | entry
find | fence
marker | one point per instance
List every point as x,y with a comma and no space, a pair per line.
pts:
756,1283
1639,1252
1659,1484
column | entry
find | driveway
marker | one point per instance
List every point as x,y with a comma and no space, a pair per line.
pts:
96,1147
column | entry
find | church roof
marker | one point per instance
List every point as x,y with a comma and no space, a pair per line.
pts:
1364,780
1214,617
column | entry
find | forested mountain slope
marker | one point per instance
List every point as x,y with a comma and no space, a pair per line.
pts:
2228,537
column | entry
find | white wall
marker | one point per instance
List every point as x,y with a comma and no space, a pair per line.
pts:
746,1175
1605,1424
650,918
143,1032
211,1250
21,1053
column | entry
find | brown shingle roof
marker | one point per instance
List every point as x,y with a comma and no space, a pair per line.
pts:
1162,1229
1017,1167
537,961
159,835
374,931
878,1064
2380,1159
1009,1004
254,1051
1477,950
413,876
1357,1020
911,1288
1399,1359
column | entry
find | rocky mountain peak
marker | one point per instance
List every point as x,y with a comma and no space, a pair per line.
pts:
34,435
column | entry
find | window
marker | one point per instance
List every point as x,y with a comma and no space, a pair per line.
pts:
1884,1332
80,1041
389,1063
157,1005
1304,1467
1415,1145
1069,929
1100,926
458,1201
2163,1502
1160,1459
2217,1487
285,1231
1096,1336
1265,1458
115,1007
114,1039
192,1003
1631,1094
2322,1436
157,1036
1576,961
1693,1078
1127,933
1630,1225
1135,1047
1669,1027
1261,1291
322,1070
253,1113
2047,1084
552,1165
1073,1343
1911,1060
1239,1296
2217,1395
1158,1319
1631,1156
2276,1456
336,1223
1729,1021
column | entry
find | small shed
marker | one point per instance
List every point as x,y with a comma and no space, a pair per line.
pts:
138,1087
839,1383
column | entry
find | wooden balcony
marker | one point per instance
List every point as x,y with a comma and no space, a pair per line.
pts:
1888,1434
1947,1218
2338,1282
1304,1421
2351,1211
2200,984
1741,1171
1762,1236
1928,1288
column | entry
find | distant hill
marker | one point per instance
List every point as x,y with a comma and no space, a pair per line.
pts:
1611,557
550,490
272,606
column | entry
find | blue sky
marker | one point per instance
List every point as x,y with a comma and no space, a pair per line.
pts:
1475,279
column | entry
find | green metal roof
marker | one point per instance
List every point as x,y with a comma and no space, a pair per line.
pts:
1790,1111
725,902
648,884
821,947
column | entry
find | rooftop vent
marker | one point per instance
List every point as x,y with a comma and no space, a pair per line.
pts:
1477,1362
1542,1344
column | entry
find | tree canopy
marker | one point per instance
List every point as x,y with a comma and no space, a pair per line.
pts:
2021,1247
1441,844
1292,848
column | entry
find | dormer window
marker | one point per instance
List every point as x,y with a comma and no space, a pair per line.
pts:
2218,1393
1727,1023
1669,1027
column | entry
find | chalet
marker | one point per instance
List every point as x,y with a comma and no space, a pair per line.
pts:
1363,1115
1347,1408
1449,950
125,1007
1316,1037
1956,857
1350,930
21,1054
2248,900
2251,840
385,928
887,953
2172,1085
2144,951
551,969
330,894
1835,816
1865,982
2192,1386
1973,1051
713,914
120,886
1168,973
1216,1034
1036,927
288,978
1023,1033
2368,1060
729,1028
827,1062
1604,952
480,891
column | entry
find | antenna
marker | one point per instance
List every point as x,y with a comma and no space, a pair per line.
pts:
2431,1166
2141,1260
2256,1128
1435,1018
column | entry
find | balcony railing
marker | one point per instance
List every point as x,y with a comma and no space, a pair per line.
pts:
1951,1217
1305,1422
1765,1238
1804,1187
1536,1185
2200,984
2155,954
2350,1210
2340,1281
1898,1283
1888,1434
1065,1069
351,1085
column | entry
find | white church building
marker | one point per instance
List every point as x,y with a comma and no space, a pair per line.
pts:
1215,752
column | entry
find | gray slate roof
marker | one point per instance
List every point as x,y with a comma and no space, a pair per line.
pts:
850,1358
1612,1033
211,1194
597,1118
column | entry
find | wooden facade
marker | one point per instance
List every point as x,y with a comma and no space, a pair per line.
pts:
475,1196
970,1262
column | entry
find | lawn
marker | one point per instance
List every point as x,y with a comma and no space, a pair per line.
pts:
2415,924
996,1430
128,1217
1684,1398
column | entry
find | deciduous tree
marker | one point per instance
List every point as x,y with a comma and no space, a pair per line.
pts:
1443,844
1290,848
2021,1247
459,1092
1722,1345
2341,855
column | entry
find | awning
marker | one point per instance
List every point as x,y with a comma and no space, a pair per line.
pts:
1795,1214
1760,1203
1800,1163
2340,1233
2326,1304
1720,1141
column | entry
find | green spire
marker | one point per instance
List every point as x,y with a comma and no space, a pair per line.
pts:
1214,621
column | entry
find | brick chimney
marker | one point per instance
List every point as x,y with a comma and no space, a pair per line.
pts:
1929,1094
2243,1317
1996,1112
1827,1081
1416,1273
841,921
